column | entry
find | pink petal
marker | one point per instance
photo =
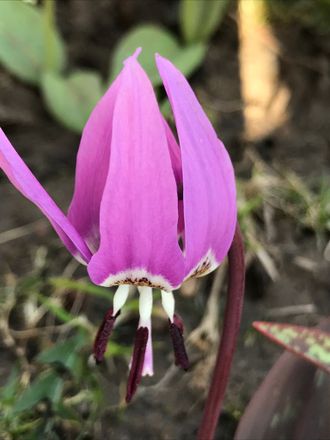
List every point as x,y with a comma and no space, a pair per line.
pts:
209,194
92,169
139,212
22,178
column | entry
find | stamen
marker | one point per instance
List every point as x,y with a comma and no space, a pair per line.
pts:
103,334
168,304
145,305
134,378
120,298
176,333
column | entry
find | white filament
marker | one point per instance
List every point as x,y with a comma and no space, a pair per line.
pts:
145,305
145,309
120,298
168,304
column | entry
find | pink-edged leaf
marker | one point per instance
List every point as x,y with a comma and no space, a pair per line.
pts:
312,344
291,403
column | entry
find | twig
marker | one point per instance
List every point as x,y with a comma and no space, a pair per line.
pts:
207,329
299,309
21,231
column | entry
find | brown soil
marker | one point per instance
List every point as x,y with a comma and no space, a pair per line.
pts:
302,144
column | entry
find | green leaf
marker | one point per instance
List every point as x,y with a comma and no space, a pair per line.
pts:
115,349
23,46
46,386
152,40
199,19
56,309
71,99
311,344
65,412
64,353
79,286
8,392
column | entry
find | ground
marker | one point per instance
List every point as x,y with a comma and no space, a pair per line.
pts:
300,144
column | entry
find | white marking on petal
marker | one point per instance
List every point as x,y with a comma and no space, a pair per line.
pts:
207,264
120,298
138,277
79,259
168,304
93,241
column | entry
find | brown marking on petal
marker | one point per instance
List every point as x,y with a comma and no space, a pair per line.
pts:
144,281
202,269
181,357
135,374
103,334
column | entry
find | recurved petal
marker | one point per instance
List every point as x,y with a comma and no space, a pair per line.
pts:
209,193
22,178
92,169
139,212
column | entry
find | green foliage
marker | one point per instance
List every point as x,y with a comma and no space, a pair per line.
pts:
8,392
65,353
71,99
46,386
56,309
154,39
32,49
23,41
199,19
315,14
81,286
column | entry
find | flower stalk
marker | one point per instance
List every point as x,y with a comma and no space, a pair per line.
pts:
235,295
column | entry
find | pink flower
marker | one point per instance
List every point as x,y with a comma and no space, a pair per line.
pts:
145,210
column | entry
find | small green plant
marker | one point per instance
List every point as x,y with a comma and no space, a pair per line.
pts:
32,48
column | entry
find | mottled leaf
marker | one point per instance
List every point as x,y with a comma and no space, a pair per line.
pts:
71,99
153,39
24,48
199,19
312,344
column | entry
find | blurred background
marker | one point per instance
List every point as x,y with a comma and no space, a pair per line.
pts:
260,69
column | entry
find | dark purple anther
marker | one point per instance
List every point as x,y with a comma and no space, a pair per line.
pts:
178,322
176,333
135,374
103,334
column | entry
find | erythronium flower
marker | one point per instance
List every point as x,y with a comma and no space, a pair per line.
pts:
145,210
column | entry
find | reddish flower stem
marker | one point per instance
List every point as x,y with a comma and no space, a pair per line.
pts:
232,318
